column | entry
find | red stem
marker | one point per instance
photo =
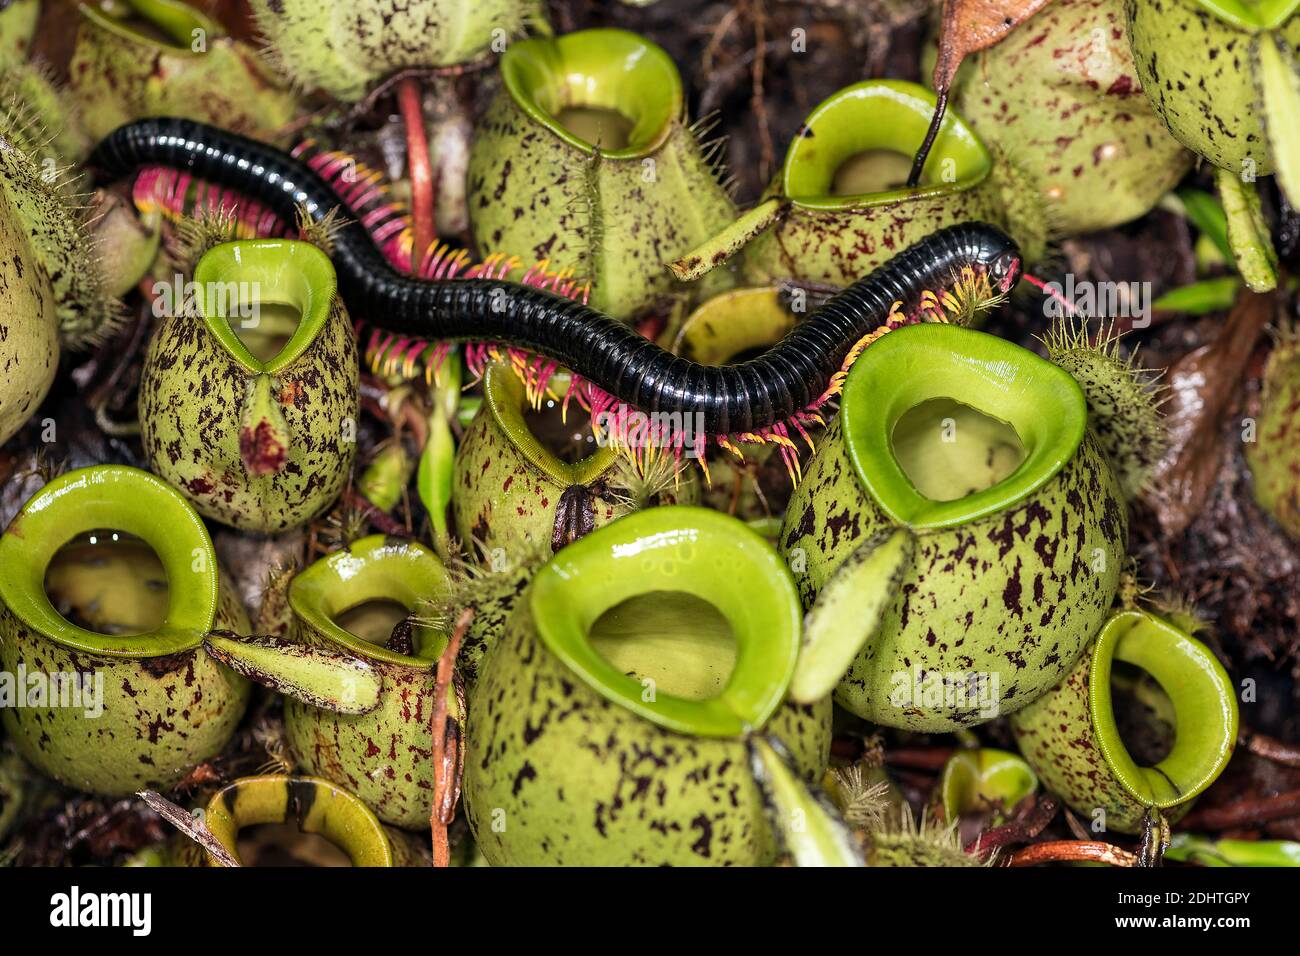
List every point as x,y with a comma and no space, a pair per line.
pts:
417,158
444,765
1028,823
1070,851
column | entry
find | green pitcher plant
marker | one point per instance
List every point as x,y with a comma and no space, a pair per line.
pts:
1271,454
1071,737
1222,75
530,472
609,722
958,535
1060,96
54,292
164,57
345,49
359,699
839,206
249,407
310,805
120,694
983,780
41,110
286,820
29,328
585,159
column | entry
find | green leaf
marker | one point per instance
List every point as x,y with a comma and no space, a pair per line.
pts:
448,393
1209,256
1193,848
1200,298
1280,91
1248,233
467,409
1207,216
384,479
804,820
848,612
433,480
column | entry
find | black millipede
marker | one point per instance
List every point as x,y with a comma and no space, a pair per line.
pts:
732,399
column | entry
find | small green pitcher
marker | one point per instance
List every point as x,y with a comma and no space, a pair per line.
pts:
359,703
116,710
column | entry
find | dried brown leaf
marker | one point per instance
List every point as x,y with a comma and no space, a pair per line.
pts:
1203,389
967,27
188,824
973,25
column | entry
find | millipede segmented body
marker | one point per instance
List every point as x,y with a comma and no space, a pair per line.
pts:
767,390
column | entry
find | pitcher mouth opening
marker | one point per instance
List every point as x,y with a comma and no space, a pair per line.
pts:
855,149
373,619
139,507
348,596
564,433
672,641
1144,714
1203,699
682,550
109,582
554,437
604,90
949,450
311,805
734,326
265,300
929,400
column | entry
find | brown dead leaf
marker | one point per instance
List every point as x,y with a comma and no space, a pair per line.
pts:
967,27
973,25
188,824
1203,388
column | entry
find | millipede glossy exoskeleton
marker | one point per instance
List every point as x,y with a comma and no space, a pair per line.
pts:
774,388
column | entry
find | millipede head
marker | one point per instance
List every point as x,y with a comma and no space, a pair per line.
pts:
1005,270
